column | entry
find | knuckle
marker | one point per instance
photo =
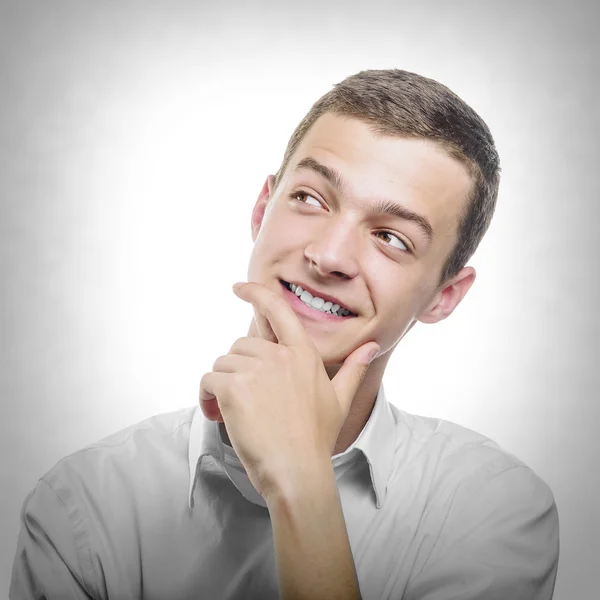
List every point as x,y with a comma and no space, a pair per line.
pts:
284,354
305,356
240,383
236,346
280,350
204,393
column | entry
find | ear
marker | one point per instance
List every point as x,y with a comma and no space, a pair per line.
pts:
448,297
258,212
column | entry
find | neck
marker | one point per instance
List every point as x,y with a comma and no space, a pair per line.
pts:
360,409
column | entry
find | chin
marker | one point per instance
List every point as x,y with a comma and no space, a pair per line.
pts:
332,358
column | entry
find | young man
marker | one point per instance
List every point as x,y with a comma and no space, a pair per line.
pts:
295,478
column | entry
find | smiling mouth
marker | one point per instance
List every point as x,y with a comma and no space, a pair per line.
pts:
317,303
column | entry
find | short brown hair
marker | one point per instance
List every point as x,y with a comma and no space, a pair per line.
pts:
403,104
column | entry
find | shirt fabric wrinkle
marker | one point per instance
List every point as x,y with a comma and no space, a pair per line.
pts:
150,516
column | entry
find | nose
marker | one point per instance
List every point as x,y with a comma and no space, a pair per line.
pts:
334,251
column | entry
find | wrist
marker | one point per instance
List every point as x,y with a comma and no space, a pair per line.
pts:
302,483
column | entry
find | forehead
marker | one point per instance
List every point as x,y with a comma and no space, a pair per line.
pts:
417,173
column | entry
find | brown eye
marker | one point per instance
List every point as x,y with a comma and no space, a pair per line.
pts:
304,198
391,236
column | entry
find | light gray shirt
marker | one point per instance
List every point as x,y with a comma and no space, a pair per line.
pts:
163,510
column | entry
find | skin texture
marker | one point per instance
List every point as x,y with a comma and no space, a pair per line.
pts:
335,247
297,390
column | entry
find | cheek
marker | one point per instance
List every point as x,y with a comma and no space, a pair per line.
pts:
396,310
277,241
277,238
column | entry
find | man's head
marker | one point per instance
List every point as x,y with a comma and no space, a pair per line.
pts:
403,104
378,138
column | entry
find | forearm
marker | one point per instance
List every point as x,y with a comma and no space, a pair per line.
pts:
312,549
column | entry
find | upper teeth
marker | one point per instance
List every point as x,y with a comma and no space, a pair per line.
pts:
318,303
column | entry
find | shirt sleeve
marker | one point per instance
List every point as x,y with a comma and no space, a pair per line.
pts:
51,550
499,541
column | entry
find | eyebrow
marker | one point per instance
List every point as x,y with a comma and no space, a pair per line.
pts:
381,207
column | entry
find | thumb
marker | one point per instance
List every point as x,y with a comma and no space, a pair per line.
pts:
352,372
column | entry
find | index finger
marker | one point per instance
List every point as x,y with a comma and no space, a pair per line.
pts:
260,328
277,312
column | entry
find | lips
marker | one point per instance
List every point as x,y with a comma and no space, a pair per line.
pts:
325,297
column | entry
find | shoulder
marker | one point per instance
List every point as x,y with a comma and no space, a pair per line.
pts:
81,524
494,517
465,465
126,458
474,475
157,426
453,448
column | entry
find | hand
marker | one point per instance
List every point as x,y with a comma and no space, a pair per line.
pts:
280,408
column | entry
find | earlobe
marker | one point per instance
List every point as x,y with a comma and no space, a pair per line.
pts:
449,297
260,207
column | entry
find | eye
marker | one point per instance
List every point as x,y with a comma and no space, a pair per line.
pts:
304,197
393,236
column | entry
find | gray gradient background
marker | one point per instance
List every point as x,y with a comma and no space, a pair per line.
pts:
134,139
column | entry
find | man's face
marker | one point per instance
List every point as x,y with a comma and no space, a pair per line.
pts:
326,236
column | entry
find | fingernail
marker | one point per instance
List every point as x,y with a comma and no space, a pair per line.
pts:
374,352
238,285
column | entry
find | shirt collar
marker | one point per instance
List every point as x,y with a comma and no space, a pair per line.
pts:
376,442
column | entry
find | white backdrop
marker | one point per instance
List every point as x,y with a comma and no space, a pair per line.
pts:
134,140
